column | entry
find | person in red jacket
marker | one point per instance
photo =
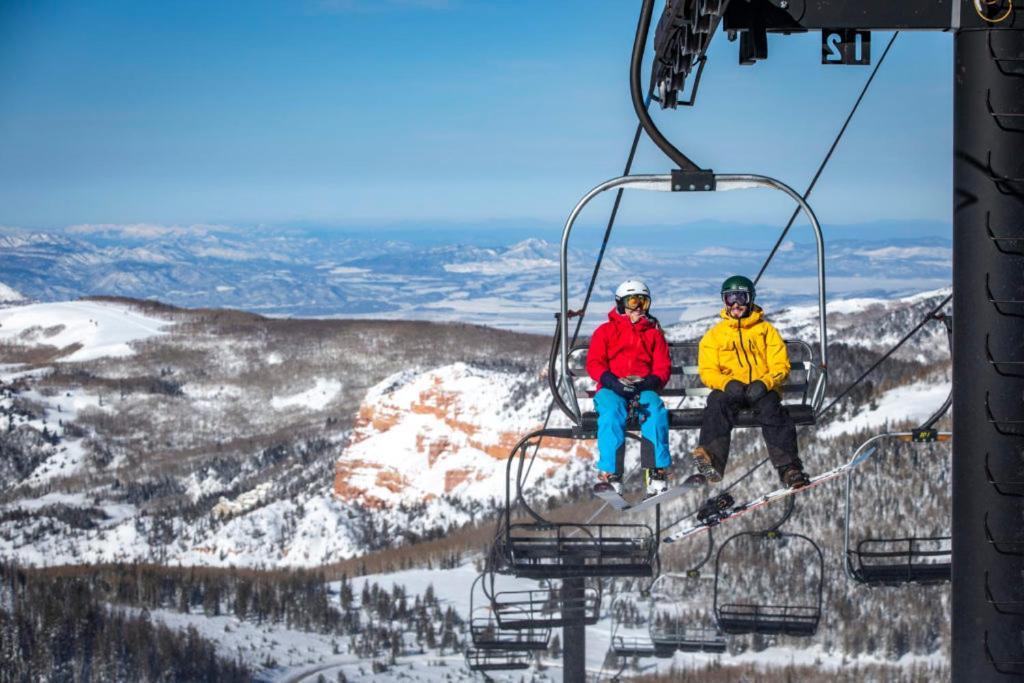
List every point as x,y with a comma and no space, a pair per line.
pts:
628,358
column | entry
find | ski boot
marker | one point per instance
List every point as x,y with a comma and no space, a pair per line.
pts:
656,480
610,481
793,475
704,462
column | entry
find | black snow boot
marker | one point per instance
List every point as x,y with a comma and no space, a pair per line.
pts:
793,475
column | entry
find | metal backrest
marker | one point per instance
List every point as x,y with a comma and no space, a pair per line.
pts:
685,381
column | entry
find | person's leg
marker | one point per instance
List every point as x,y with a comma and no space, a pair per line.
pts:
654,430
778,430
611,435
716,429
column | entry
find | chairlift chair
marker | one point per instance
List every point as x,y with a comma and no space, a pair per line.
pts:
902,560
488,633
545,609
542,549
685,384
771,618
672,627
628,642
810,388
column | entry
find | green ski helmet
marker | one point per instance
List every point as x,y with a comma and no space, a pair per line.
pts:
738,283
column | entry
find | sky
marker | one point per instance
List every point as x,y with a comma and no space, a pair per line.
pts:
382,113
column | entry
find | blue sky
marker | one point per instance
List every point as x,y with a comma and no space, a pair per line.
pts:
359,113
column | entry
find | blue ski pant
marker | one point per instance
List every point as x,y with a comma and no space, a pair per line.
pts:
612,411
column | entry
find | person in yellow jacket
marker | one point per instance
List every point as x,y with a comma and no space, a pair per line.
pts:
743,360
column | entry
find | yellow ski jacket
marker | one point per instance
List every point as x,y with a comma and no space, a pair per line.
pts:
747,349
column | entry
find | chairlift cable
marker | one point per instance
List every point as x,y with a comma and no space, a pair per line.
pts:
828,157
581,313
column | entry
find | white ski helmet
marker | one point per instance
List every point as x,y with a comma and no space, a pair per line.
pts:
631,288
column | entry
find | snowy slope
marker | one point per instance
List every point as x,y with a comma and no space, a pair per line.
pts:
87,329
448,431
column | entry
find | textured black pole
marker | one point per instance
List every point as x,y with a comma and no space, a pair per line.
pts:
988,401
574,637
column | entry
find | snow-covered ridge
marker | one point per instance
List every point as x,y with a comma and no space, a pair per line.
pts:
90,329
446,431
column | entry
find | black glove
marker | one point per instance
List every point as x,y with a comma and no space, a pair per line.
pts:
756,390
610,381
735,392
648,383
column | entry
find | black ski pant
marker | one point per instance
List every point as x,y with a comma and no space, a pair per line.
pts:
777,428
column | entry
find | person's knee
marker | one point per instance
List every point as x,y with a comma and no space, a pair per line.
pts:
651,400
716,398
607,402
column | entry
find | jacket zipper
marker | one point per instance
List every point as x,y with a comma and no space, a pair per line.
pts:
750,368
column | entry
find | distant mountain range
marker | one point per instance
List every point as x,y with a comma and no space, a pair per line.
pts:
481,279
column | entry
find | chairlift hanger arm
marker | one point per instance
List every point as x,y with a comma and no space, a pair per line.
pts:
636,93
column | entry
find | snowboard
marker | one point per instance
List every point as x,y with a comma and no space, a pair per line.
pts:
606,493
722,507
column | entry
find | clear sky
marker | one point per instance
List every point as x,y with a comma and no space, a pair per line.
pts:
376,112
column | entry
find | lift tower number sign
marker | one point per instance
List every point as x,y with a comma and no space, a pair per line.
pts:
846,46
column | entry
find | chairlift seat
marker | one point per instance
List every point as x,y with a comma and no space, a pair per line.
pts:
689,639
797,392
901,566
496,660
488,635
788,620
545,609
559,551
635,646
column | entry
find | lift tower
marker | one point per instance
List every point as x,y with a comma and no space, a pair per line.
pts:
988,289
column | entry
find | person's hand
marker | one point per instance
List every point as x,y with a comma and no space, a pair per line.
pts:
648,383
735,392
610,381
755,391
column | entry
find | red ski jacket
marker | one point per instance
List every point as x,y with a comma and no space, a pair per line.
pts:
628,349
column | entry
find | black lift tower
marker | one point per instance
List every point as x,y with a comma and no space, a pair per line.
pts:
988,289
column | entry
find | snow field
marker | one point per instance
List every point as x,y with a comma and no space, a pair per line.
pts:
102,329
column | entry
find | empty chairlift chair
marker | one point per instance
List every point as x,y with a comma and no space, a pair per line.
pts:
910,558
488,633
677,622
630,635
545,609
805,392
542,549
789,610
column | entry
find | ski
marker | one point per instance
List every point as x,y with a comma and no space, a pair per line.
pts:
607,493
694,481
723,507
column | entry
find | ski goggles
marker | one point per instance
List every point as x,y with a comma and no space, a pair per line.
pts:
636,302
739,297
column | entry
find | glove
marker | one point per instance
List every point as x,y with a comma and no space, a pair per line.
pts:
755,391
648,383
735,392
610,381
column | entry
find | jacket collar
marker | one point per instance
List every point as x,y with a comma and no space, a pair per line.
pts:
622,320
756,316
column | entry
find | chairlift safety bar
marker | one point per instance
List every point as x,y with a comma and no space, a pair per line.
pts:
664,183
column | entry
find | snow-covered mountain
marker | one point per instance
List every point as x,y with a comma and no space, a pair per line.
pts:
481,278
448,432
139,431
